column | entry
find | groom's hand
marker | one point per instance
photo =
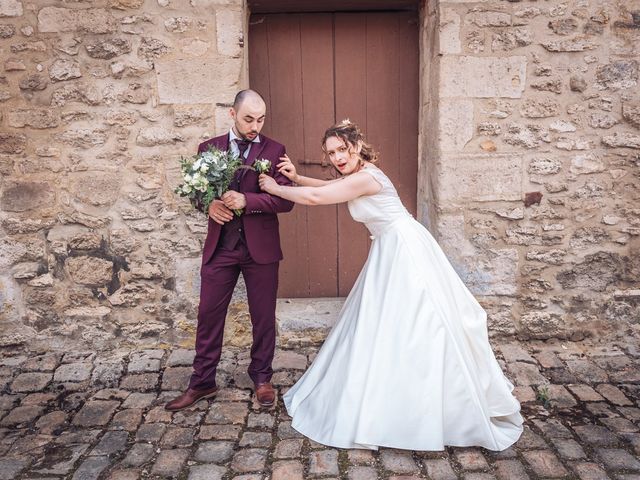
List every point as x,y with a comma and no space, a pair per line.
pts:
234,200
219,213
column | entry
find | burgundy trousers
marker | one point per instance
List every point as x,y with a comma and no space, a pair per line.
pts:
219,277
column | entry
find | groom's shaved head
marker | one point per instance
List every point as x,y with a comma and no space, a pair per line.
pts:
247,96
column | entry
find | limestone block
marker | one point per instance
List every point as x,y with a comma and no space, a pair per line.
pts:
7,31
587,163
125,4
510,39
456,123
624,139
151,48
493,273
106,49
488,19
184,115
82,137
595,272
178,24
10,8
33,82
33,117
26,195
618,74
576,44
223,120
631,113
229,30
99,189
482,77
542,325
91,20
152,136
90,271
63,69
602,120
202,80
449,40
542,108
480,177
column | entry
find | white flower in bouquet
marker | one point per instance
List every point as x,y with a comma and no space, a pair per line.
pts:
207,176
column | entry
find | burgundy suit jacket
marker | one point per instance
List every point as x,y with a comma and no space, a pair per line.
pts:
260,215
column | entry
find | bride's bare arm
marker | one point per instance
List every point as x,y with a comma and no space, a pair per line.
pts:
288,169
351,187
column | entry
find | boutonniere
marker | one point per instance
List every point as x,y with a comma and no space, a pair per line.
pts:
262,166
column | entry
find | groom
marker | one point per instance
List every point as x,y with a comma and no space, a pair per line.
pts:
250,244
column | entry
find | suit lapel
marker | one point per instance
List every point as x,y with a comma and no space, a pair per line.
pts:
254,152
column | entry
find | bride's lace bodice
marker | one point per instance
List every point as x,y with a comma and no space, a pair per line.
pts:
380,210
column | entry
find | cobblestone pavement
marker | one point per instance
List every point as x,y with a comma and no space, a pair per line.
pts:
82,415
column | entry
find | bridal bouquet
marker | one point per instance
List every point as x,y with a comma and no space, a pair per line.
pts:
207,176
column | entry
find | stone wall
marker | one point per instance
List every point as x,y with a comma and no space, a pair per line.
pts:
529,160
536,176
99,99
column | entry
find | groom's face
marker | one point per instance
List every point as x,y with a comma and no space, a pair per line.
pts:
248,120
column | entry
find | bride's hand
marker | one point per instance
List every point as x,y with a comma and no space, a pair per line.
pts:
267,183
288,169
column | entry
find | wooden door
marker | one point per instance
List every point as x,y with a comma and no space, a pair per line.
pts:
314,69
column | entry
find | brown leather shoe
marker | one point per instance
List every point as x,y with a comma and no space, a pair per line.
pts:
265,394
190,397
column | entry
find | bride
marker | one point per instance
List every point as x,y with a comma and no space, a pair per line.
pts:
408,364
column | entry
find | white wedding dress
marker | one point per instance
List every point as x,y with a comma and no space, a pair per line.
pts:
408,364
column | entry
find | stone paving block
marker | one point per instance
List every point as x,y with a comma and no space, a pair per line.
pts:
176,378
596,435
552,428
111,394
290,448
618,459
256,439
478,476
544,463
7,402
169,463
632,439
514,352
560,397
398,461
471,459
285,430
41,363
620,425
440,469
30,446
525,394
600,410
585,393
525,374
613,362
111,443
158,414
287,470
60,461
30,382
589,471
76,436
548,360
289,360
250,476
323,463
143,365
107,373
206,472
51,422
614,395
39,399
587,371
361,457
631,413
21,415
76,357
181,358
150,432
261,420
138,455
214,452
178,437
13,360
127,419
188,418
363,473
233,395
139,400
219,432
73,372
143,382
125,474
227,413
530,440
96,412
91,468
569,449
249,460
10,468
627,375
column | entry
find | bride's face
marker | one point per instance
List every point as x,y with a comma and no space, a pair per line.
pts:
342,155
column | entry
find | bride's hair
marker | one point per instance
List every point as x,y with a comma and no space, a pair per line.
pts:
351,135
